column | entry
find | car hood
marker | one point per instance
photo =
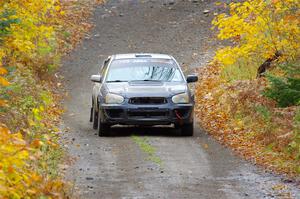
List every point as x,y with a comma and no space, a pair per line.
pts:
146,89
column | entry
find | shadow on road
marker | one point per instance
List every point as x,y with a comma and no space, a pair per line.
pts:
123,131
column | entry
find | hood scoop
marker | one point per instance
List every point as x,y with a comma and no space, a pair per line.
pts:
145,83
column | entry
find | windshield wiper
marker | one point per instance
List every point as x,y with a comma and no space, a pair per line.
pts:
115,81
151,80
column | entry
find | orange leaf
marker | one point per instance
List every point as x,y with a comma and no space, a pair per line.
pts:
3,71
35,177
36,143
4,130
3,103
205,146
10,169
3,82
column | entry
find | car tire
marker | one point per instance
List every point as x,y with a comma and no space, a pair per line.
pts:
187,129
95,119
103,129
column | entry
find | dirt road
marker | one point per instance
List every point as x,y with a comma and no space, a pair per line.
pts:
176,167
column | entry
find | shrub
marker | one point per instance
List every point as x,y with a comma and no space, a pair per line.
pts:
285,91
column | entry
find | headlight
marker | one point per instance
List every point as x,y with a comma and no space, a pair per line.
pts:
113,99
182,98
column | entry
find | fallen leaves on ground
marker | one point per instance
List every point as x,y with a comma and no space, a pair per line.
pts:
238,116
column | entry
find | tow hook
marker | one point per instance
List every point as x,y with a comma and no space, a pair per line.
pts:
179,118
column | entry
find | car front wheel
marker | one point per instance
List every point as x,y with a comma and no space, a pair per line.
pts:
103,129
187,129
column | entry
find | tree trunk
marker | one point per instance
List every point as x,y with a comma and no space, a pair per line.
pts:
267,64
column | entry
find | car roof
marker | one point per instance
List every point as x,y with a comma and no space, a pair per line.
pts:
141,55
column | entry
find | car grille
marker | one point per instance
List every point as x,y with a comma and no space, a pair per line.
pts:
147,113
148,100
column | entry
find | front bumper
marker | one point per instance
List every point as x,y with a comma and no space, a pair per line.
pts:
130,114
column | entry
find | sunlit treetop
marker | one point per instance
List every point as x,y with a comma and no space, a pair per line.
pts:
258,29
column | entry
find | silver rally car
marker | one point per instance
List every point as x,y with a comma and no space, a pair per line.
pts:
142,89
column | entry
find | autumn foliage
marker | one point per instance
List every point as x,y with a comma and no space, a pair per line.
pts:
258,29
256,115
17,177
34,34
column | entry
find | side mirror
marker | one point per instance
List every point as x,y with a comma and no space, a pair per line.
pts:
96,78
191,78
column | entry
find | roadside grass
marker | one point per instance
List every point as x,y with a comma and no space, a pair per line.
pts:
51,161
147,148
239,71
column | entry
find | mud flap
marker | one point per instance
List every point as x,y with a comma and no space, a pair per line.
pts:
91,115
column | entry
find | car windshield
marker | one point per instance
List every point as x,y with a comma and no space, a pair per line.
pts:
125,70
